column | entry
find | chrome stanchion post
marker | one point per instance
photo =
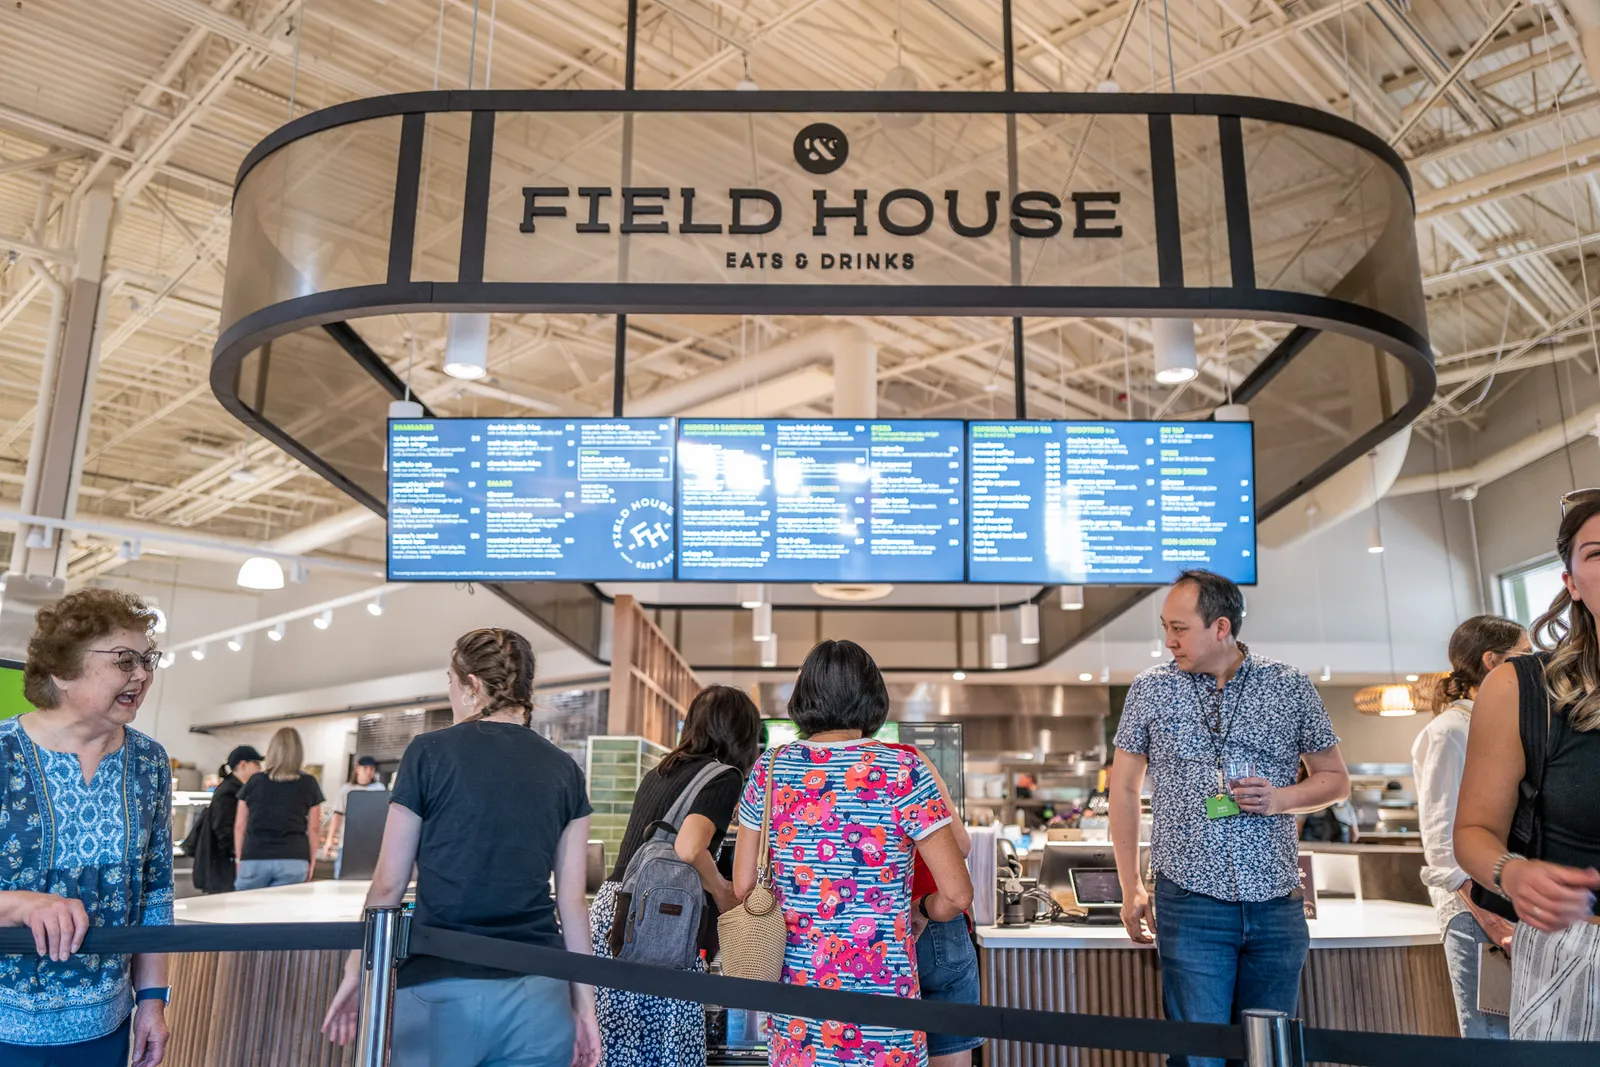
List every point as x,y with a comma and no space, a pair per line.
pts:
1271,1039
385,928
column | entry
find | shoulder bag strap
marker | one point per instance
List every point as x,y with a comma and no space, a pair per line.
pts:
680,807
1534,712
764,871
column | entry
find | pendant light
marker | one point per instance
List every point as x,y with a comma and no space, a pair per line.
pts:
1071,597
1028,623
466,347
1176,359
998,651
260,572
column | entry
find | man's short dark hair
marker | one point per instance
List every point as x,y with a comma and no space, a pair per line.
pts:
839,688
1217,598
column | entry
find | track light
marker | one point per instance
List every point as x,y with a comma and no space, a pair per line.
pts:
1028,623
998,651
375,606
235,644
261,572
276,633
761,623
466,347
324,620
1071,597
198,651
1176,361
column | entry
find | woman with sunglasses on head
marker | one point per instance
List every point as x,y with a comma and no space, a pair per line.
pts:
87,840
1438,756
1555,954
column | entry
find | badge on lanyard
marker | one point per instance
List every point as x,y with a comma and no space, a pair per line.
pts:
1221,806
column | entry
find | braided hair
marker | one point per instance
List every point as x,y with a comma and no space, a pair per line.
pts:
1473,638
503,662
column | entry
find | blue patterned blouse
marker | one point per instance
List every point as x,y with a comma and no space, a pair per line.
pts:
61,835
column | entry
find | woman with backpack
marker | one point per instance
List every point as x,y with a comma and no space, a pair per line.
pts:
490,814
694,791
1539,847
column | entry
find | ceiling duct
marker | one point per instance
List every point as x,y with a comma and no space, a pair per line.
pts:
1349,492
1508,460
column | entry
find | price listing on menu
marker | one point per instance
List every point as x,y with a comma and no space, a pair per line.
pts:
826,500
512,499
1122,503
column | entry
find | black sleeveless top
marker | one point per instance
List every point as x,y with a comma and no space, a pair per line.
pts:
1570,798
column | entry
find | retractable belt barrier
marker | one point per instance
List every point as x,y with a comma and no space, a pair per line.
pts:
1073,1029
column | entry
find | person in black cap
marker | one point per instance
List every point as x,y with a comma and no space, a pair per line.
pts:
244,762
366,779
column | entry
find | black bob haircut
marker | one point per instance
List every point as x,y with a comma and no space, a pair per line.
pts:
839,688
1217,598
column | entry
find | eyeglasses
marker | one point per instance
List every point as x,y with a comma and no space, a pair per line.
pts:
128,659
1578,496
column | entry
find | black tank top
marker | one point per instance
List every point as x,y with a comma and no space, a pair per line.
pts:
1571,796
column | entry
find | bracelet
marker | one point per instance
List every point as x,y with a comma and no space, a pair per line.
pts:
161,993
922,906
1500,869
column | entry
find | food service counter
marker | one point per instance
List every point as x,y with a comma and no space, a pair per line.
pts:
1375,965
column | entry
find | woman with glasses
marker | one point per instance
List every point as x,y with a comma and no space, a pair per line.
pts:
86,840
1551,881
1438,756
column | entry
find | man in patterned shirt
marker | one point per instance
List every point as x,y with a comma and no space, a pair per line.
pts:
1222,733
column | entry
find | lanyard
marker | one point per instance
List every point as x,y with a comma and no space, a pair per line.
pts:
1220,727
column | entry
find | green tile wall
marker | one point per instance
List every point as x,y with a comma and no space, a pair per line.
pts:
615,766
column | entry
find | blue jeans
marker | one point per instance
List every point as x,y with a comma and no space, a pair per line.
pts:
947,967
1462,936
108,1051
484,1022
259,874
1220,957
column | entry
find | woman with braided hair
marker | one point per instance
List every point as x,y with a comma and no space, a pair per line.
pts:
1438,757
487,810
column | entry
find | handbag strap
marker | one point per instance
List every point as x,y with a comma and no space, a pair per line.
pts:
764,870
1534,712
680,807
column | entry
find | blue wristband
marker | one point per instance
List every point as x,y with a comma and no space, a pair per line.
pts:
160,992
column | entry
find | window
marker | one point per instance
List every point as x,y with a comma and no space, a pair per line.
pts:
1526,593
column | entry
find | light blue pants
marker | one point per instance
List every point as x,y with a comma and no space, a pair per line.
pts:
259,874
483,1022
1462,936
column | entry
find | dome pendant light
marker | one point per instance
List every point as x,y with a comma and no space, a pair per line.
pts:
1176,360
261,572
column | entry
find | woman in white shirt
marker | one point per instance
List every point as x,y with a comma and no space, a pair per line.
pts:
1438,758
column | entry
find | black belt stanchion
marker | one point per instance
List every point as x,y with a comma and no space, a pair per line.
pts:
1272,1039
383,950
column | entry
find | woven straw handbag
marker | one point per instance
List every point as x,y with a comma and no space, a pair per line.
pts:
753,934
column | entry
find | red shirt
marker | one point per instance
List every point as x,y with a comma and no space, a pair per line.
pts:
922,882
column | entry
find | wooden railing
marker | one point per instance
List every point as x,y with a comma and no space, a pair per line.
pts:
651,684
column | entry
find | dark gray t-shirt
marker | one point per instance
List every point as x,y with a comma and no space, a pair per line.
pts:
494,799
278,817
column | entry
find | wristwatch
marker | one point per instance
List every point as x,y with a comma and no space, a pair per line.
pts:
159,992
922,906
1500,869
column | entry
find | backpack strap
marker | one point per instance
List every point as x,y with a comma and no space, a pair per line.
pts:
680,807
1534,713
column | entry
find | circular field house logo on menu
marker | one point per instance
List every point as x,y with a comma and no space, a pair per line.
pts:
642,535
821,148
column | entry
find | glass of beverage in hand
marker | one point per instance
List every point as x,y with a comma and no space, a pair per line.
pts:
1237,768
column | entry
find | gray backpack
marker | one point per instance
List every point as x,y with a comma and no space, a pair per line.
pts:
659,904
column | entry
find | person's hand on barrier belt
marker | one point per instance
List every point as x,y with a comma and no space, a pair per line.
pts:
1256,796
58,923
1137,915
149,1033
586,1046
344,1013
1548,896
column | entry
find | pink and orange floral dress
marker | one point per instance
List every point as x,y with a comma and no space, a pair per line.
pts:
845,818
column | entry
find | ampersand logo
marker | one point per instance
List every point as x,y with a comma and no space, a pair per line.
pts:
821,148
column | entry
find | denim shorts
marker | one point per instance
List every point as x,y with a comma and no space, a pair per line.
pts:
947,965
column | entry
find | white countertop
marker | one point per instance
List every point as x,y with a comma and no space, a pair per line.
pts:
1339,924
307,902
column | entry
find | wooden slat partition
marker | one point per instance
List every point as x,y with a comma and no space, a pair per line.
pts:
1393,990
652,685
235,1008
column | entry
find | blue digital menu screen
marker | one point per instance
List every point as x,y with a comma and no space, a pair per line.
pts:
821,500
511,499
1120,503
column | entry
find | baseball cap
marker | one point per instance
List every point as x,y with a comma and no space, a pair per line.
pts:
243,753
366,761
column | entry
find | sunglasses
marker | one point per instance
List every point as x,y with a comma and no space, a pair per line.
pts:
128,659
1578,496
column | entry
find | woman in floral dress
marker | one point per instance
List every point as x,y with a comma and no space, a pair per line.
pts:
847,813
